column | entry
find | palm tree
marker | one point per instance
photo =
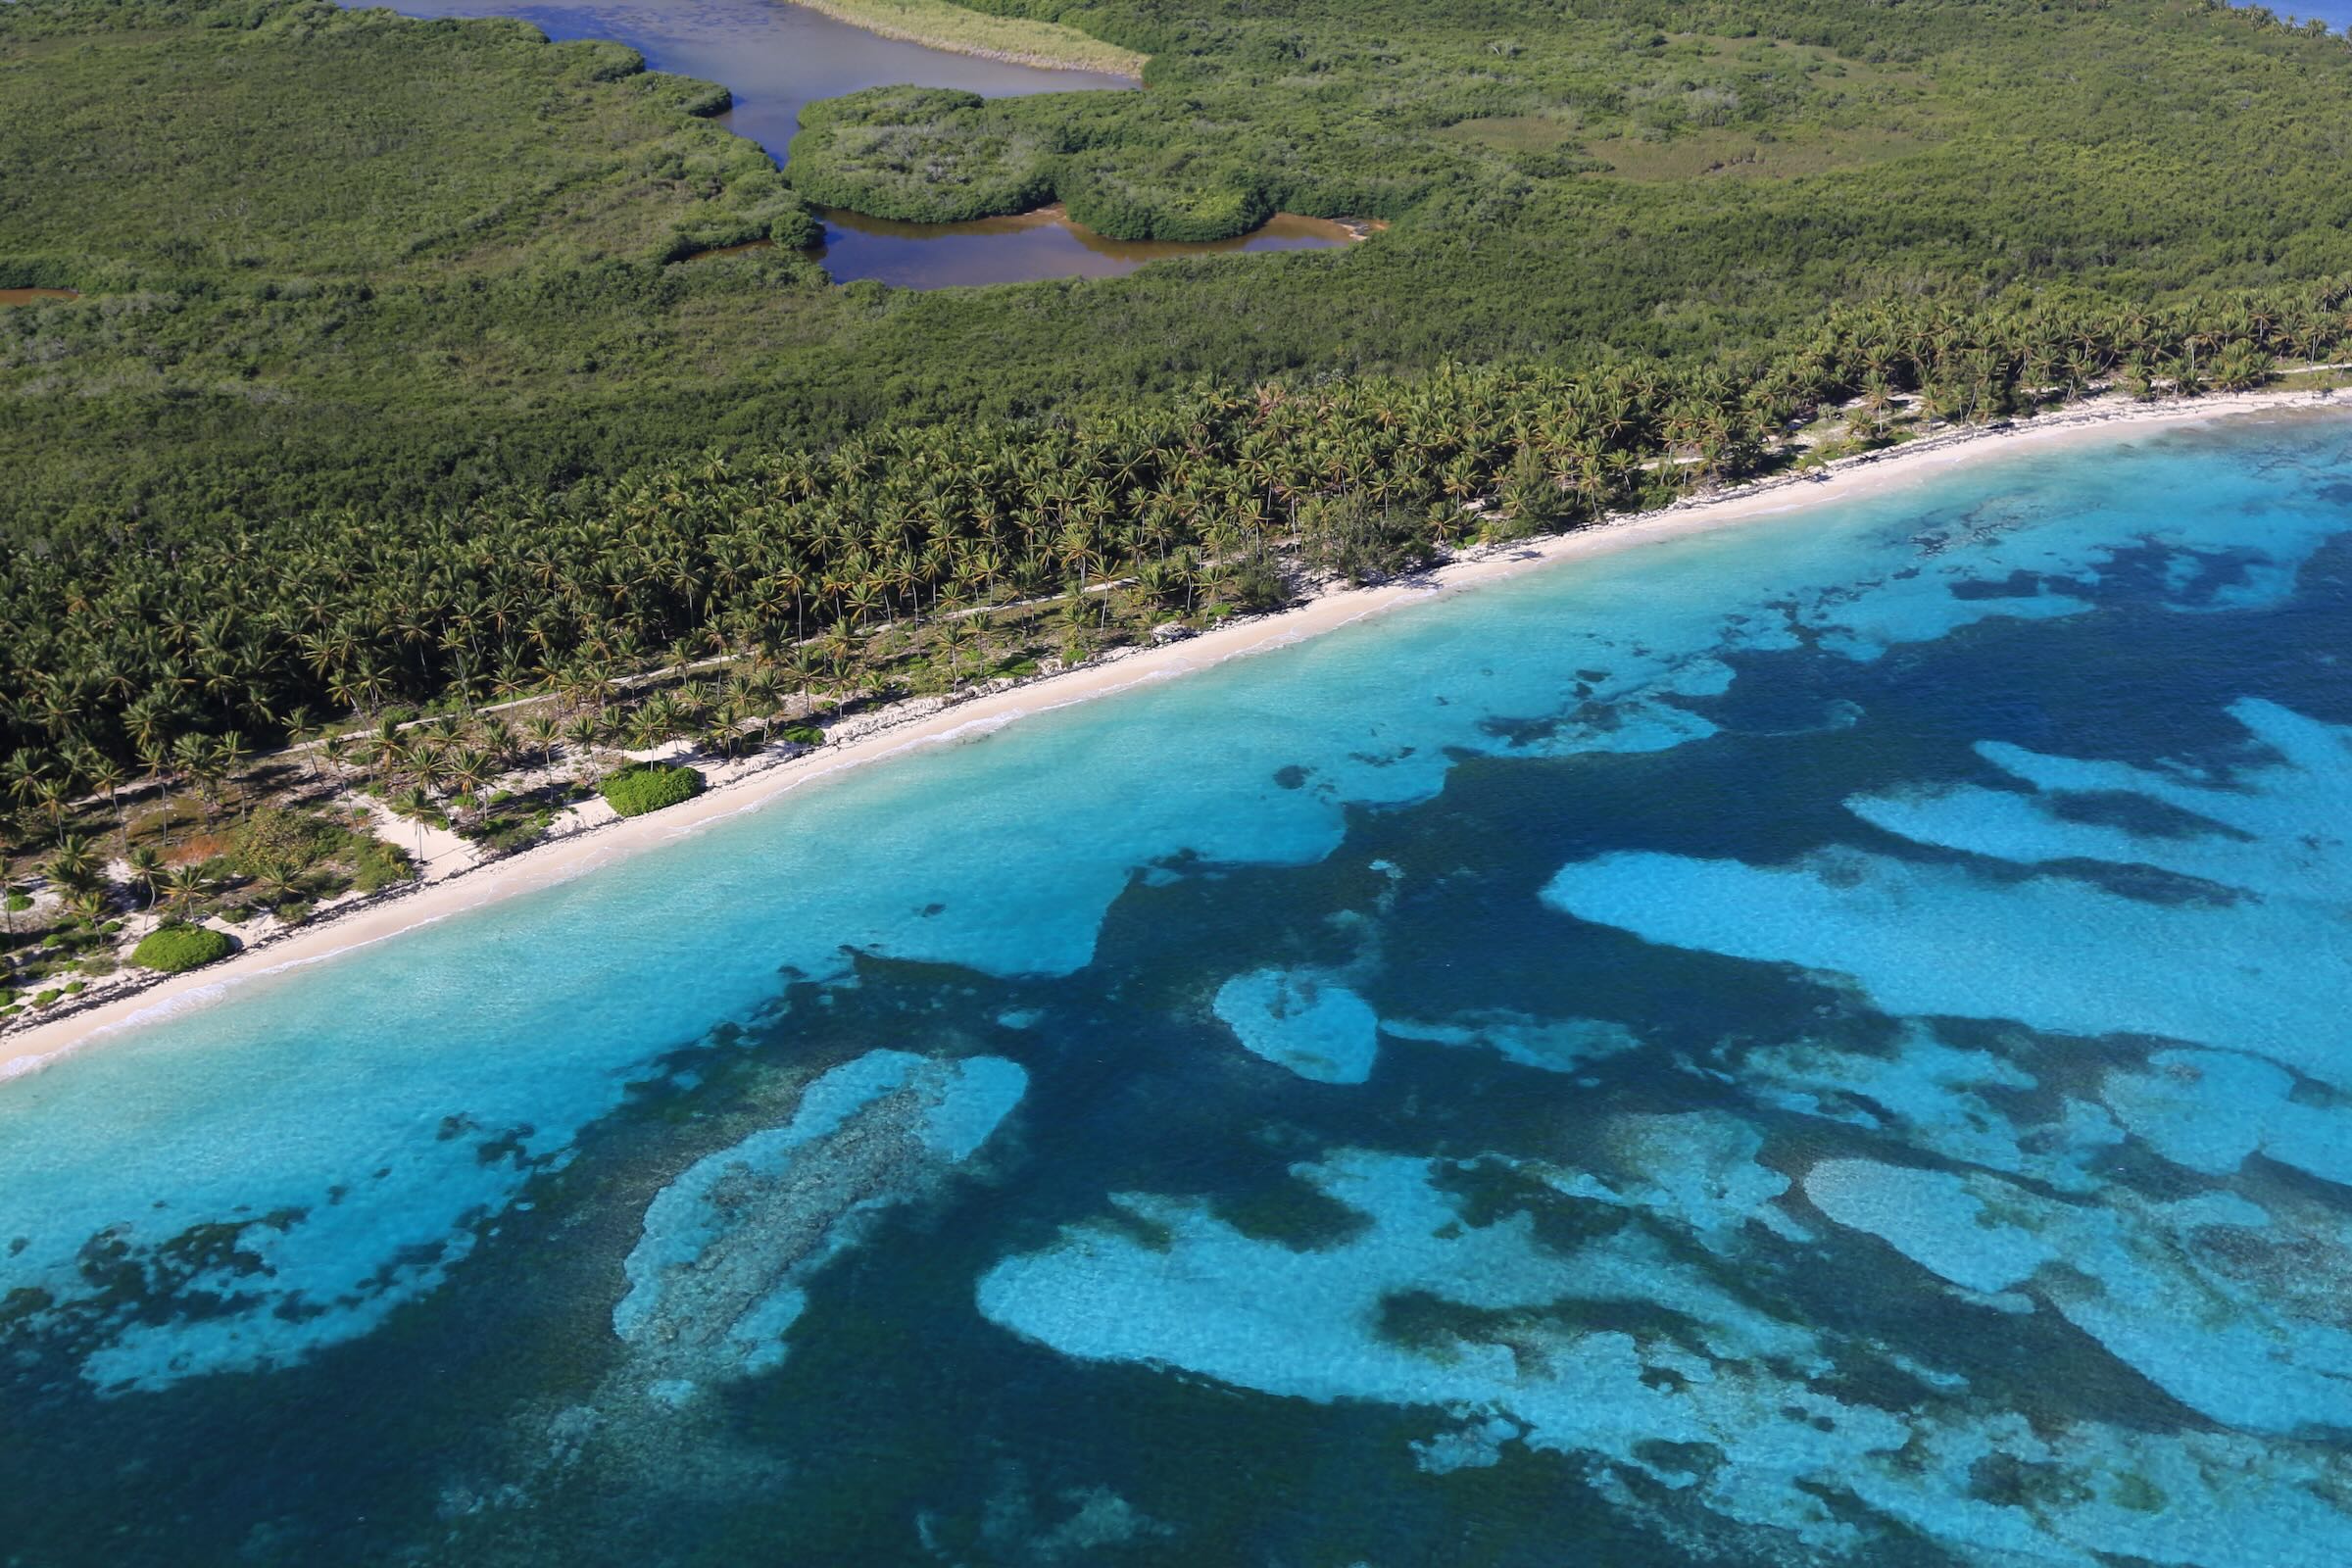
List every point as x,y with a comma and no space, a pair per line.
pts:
385,749
10,894
108,776
156,758
146,870
192,756
2242,366
471,769
429,765
230,754
277,885
73,864
150,722
26,769
54,797
721,738
543,730
183,885
583,732
496,738
417,805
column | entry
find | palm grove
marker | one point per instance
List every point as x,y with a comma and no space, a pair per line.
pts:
636,464
165,661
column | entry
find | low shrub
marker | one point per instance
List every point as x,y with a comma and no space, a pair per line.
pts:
804,735
505,835
644,787
43,998
796,227
274,839
376,865
171,949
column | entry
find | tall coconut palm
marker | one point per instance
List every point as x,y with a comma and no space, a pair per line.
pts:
542,731
429,765
26,769
53,797
184,887
582,732
471,771
73,864
230,755
278,885
146,870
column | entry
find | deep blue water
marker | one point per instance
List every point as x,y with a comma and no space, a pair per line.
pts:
1822,1043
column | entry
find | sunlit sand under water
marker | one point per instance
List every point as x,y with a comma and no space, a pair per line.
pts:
1823,1042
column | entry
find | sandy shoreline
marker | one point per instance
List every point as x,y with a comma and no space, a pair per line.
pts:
923,722
883,23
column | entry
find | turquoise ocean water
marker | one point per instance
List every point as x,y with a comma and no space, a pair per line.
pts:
1825,1042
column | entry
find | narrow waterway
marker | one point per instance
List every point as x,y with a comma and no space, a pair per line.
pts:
34,296
777,58
1039,244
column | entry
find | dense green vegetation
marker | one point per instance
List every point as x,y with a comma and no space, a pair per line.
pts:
1992,142
140,658
437,279
392,390
289,858
644,787
175,949
348,172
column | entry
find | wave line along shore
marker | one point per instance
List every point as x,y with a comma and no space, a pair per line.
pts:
914,725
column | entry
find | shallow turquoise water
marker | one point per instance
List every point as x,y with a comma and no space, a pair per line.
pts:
1822,1043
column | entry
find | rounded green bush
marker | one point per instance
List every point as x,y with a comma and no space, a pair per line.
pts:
646,786
174,948
796,227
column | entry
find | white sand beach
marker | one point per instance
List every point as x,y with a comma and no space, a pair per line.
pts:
456,883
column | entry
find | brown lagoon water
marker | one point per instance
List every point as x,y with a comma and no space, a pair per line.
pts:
1045,243
34,296
776,58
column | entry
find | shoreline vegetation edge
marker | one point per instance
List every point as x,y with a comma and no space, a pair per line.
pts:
1015,41
917,723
